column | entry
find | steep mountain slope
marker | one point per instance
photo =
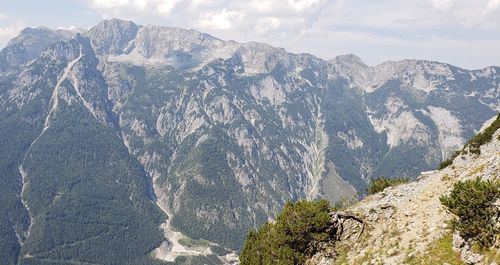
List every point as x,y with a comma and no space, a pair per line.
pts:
404,224
165,126
84,194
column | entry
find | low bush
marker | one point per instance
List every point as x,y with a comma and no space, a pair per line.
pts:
449,161
379,184
288,240
483,137
473,204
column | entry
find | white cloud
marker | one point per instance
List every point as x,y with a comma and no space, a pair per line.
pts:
484,14
492,5
267,24
222,20
441,4
330,27
162,7
110,3
262,5
9,32
165,7
3,16
303,4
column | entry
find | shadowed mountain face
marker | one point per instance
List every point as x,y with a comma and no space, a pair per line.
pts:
106,134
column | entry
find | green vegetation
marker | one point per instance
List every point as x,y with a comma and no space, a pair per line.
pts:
491,255
439,252
289,240
473,204
475,143
189,242
483,137
345,203
18,128
379,184
87,196
449,161
216,193
221,251
197,260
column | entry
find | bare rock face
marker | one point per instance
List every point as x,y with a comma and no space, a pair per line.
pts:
219,134
113,36
404,221
29,45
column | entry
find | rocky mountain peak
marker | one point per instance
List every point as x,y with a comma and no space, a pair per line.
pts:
28,45
123,41
408,223
217,135
348,60
112,36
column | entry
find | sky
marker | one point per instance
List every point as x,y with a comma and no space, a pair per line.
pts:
465,33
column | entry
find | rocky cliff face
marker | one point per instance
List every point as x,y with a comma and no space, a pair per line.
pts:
218,134
406,223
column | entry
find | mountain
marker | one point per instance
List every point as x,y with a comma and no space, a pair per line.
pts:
446,216
408,224
126,142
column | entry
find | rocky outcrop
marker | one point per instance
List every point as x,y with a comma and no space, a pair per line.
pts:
402,222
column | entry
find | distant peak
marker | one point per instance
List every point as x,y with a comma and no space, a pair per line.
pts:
39,36
348,59
113,35
116,22
114,25
37,29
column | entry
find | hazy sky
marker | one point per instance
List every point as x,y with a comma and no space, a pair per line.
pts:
465,33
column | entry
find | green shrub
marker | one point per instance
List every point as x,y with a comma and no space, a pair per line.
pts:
473,204
449,161
475,143
446,163
379,184
221,251
483,137
288,240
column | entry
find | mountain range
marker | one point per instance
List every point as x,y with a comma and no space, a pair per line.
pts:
130,144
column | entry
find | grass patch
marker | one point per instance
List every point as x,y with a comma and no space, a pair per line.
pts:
479,169
221,251
342,256
491,255
189,242
446,177
379,184
439,252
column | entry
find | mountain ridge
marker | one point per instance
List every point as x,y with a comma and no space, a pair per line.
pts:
222,134
408,224
114,22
